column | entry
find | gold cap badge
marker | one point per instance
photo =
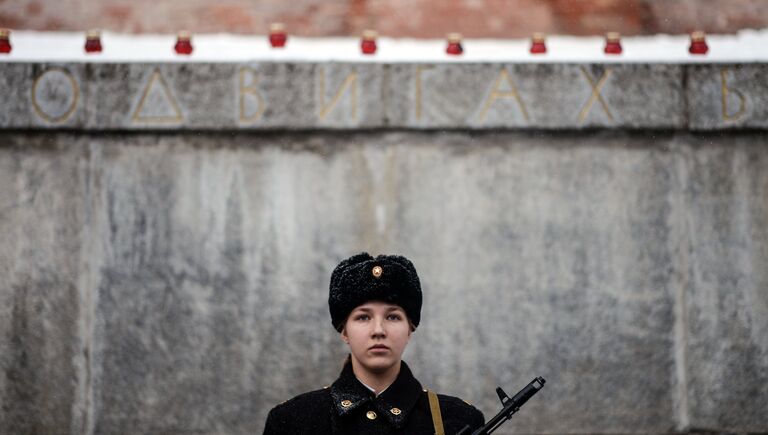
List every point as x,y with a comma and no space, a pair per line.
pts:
377,270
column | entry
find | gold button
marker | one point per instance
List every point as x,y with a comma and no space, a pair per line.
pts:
371,415
395,411
377,271
346,403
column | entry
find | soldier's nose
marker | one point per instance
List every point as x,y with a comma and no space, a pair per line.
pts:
378,328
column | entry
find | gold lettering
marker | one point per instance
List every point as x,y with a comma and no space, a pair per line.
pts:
728,91
497,94
419,69
169,99
251,90
596,96
49,117
349,82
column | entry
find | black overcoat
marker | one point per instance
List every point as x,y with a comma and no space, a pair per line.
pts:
349,408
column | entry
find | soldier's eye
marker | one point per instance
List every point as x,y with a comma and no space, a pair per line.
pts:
362,317
394,317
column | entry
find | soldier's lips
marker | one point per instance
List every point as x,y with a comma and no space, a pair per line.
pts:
378,348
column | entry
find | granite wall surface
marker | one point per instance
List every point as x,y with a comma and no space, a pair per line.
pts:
176,282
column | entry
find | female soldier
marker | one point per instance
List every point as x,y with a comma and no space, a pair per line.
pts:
375,304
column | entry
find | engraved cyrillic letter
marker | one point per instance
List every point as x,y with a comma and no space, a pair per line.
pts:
157,103
250,89
726,93
497,93
55,95
419,69
349,82
596,96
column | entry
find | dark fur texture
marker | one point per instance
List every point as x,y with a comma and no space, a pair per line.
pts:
353,284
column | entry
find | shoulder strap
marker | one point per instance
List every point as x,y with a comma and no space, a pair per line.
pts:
437,418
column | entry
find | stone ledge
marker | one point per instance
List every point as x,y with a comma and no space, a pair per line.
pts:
352,95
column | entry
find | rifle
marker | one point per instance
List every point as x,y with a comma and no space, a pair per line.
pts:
511,406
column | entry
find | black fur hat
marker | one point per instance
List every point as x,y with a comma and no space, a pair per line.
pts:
362,278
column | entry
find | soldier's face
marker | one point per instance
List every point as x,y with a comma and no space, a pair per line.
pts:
377,333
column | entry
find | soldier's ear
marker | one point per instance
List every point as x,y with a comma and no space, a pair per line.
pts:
411,326
344,335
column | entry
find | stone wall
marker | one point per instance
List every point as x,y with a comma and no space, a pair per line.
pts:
167,233
346,95
166,283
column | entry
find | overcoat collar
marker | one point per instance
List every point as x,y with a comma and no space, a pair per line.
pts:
396,402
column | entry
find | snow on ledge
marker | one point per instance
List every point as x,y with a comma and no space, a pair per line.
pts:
746,46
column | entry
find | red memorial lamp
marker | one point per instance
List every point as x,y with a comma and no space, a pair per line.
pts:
183,43
93,41
368,42
698,43
277,35
612,43
454,44
5,41
538,45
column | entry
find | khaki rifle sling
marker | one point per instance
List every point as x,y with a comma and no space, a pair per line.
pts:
437,418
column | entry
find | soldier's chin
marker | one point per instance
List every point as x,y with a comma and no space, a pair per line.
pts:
380,363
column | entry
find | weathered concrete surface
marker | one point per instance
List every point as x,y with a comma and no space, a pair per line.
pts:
43,215
348,96
728,96
727,219
554,261
159,96
158,283
552,96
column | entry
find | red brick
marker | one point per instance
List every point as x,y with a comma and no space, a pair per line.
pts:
33,8
401,18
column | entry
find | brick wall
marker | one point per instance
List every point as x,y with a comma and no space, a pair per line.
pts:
402,18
